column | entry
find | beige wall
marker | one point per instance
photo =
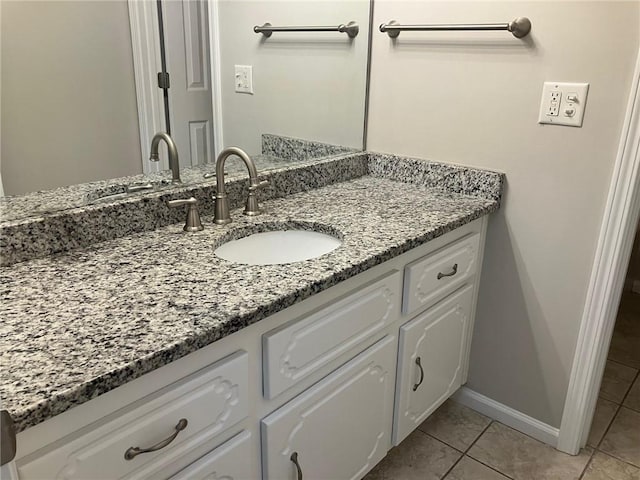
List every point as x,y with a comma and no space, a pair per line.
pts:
473,98
307,85
68,95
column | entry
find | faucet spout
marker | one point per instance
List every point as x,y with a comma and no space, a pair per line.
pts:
221,213
174,163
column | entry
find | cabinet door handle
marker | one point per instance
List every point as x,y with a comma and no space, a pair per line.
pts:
294,459
419,363
133,452
453,271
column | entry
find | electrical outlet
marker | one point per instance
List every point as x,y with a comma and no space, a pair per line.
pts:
563,103
553,103
244,79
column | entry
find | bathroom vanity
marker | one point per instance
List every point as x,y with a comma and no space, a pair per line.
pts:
153,358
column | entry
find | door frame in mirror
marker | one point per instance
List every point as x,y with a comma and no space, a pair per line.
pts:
145,42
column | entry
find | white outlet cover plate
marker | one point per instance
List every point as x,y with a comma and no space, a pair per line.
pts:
570,110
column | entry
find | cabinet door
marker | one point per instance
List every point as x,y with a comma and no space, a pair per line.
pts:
230,461
339,428
430,360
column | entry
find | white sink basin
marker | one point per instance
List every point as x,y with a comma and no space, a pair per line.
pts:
279,247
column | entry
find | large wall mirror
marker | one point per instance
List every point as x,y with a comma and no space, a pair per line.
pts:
80,99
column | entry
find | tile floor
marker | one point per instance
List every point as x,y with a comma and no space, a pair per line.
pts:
457,443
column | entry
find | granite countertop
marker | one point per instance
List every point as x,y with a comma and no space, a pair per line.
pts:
84,322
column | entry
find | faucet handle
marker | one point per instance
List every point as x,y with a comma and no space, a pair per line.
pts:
193,223
252,206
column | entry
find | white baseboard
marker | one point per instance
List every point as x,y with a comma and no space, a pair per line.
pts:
508,416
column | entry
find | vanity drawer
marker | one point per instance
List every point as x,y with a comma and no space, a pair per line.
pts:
211,401
231,460
295,350
431,278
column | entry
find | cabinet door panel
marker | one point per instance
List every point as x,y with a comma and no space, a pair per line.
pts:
430,360
340,428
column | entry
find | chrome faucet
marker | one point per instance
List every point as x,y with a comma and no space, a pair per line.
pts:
221,213
174,164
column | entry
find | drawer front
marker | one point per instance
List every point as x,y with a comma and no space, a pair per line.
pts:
211,401
431,357
339,428
429,279
295,350
230,461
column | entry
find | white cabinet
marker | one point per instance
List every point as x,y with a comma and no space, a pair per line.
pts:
230,461
330,368
432,352
338,429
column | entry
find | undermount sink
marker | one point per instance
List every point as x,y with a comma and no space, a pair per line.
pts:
278,247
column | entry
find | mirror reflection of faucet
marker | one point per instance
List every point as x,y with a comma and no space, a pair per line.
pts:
212,174
221,212
174,163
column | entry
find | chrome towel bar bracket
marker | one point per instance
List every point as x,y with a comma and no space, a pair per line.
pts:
351,29
520,27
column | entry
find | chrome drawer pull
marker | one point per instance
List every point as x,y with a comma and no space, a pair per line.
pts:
415,387
133,452
294,459
453,271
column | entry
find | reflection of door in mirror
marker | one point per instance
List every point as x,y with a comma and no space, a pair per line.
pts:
69,91
186,40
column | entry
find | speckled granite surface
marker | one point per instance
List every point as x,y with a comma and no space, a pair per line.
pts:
299,149
92,319
444,177
61,231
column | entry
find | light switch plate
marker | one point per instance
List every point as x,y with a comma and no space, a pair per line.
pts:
244,79
563,103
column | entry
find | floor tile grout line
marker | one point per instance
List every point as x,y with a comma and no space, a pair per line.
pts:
450,446
530,437
635,379
489,466
586,467
464,454
527,435
478,437
452,466
626,462
623,406
480,462
441,441
484,429
623,364
608,400
606,430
